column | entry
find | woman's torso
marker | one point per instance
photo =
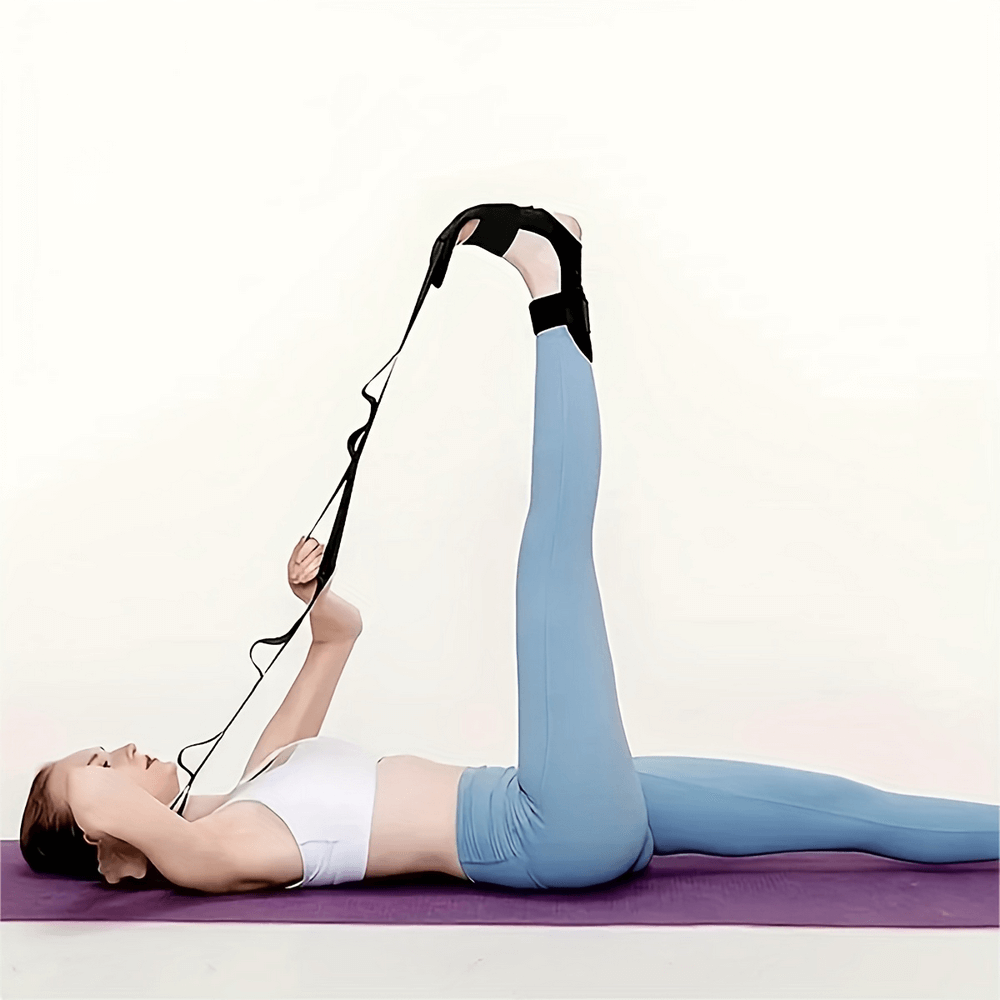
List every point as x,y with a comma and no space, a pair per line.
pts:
413,826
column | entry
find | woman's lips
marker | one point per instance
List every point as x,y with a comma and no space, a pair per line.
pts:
149,761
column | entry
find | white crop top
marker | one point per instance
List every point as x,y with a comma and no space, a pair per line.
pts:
323,789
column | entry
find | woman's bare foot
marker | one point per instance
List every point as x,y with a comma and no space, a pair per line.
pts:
533,256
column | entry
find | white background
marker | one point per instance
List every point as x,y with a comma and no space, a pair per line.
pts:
217,217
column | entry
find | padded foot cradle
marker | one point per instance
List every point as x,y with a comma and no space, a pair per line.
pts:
498,226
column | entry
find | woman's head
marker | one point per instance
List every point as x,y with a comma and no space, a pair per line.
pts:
51,840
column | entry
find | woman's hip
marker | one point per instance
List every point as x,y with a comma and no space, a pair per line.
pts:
571,839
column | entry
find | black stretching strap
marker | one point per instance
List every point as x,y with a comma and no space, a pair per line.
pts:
498,226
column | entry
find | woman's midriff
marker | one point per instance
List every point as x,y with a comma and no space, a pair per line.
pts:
414,822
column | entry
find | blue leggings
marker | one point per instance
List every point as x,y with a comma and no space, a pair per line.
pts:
578,809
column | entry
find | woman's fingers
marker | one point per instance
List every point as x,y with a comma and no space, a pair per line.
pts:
316,556
310,569
306,560
306,549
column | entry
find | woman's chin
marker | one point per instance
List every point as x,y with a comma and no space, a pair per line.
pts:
168,778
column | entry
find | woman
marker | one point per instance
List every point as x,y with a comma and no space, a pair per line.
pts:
577,810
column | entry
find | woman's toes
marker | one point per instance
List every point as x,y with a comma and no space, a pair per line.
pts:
467,230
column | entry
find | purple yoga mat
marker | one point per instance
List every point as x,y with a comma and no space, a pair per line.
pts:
780,890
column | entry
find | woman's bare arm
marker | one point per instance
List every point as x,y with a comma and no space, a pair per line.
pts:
302,712
336,625
108,808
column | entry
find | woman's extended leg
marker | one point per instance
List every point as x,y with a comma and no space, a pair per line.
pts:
572,813
737,808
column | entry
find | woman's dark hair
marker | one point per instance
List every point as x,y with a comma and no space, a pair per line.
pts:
52,842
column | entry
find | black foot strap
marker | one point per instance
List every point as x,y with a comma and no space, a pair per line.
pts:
567,309
496,230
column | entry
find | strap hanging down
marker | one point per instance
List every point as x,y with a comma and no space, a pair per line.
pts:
438,267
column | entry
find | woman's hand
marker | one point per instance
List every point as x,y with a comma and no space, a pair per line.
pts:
332,618
96,797
303,565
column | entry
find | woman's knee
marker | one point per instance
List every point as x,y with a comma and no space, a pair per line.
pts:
646,853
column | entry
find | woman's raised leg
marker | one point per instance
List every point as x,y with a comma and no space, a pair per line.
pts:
572,812
574,764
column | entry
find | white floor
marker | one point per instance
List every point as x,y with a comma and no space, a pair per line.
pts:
243,961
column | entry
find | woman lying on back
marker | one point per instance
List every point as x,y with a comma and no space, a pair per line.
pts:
578,809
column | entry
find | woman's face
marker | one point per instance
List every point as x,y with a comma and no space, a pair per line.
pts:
158,777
